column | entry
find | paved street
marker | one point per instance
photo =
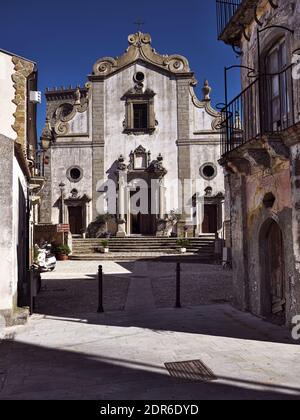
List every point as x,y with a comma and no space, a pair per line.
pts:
68,351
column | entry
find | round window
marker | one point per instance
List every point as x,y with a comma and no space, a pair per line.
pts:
139,77
208,171
75,174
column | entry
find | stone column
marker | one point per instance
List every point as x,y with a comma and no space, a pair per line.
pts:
121,205
161,200
200,216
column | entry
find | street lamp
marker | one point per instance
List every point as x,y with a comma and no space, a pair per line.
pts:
62,189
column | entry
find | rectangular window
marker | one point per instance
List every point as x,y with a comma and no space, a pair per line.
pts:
277,88
140,112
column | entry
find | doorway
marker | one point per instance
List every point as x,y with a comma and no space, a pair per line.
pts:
76,220
273,278
143,224
210,221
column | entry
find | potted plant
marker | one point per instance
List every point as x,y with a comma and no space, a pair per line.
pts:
183,244
63,252
105,248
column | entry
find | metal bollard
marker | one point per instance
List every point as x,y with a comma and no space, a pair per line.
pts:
178,286
100,290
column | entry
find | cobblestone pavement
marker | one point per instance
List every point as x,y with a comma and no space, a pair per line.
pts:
74,288
200,284
121,354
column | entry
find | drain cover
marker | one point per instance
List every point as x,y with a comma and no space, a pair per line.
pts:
194,370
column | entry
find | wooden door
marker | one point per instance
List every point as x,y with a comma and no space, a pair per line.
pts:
276,270
210,222
75,220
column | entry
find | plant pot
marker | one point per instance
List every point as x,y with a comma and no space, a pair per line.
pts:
105,250
183,250
62,257
84,236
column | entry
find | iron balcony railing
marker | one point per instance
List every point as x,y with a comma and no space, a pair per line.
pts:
226,9
265,107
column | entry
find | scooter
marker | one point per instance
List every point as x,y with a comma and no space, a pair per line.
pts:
45,260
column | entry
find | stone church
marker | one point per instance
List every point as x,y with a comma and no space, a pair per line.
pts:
136,123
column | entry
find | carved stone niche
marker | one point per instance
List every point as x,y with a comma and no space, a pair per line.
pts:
134,98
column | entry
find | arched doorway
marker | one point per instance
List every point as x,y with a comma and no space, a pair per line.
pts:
273,297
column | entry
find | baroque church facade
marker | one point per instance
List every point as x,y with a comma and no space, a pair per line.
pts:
138,124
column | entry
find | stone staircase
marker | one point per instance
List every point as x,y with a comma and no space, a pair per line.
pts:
143,247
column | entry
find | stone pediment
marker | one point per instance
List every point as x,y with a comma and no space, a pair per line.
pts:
140,48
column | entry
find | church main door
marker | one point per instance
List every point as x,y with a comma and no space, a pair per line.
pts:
143,224
210,222
75,220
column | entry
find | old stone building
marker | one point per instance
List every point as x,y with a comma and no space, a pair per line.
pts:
137,124
261,146
18,182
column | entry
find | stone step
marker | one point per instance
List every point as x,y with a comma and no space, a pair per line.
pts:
149,256
133,247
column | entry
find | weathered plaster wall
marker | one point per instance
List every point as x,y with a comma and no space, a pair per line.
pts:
6,223
62,158
257,186
13,192
207,151
7,95
281,176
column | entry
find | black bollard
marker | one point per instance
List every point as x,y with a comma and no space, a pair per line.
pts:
178,291
100,290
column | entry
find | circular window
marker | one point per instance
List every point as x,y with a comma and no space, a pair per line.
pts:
208,171
75,174
139,77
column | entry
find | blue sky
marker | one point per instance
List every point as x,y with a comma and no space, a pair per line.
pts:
66,37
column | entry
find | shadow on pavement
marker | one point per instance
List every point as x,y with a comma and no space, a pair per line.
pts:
42,373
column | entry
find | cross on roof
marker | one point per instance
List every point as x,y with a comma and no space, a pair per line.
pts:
139,24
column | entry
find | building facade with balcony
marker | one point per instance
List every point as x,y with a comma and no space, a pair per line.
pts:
261,155
18,181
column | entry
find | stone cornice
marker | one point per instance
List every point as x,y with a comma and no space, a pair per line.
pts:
140,49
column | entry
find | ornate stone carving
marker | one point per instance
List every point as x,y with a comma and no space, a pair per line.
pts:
22,69
140,49
62,128
121,167
206,104
139,159
65,112
206,90
47,130
157,167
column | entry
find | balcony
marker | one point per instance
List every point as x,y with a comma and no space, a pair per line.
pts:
232,17
266,107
